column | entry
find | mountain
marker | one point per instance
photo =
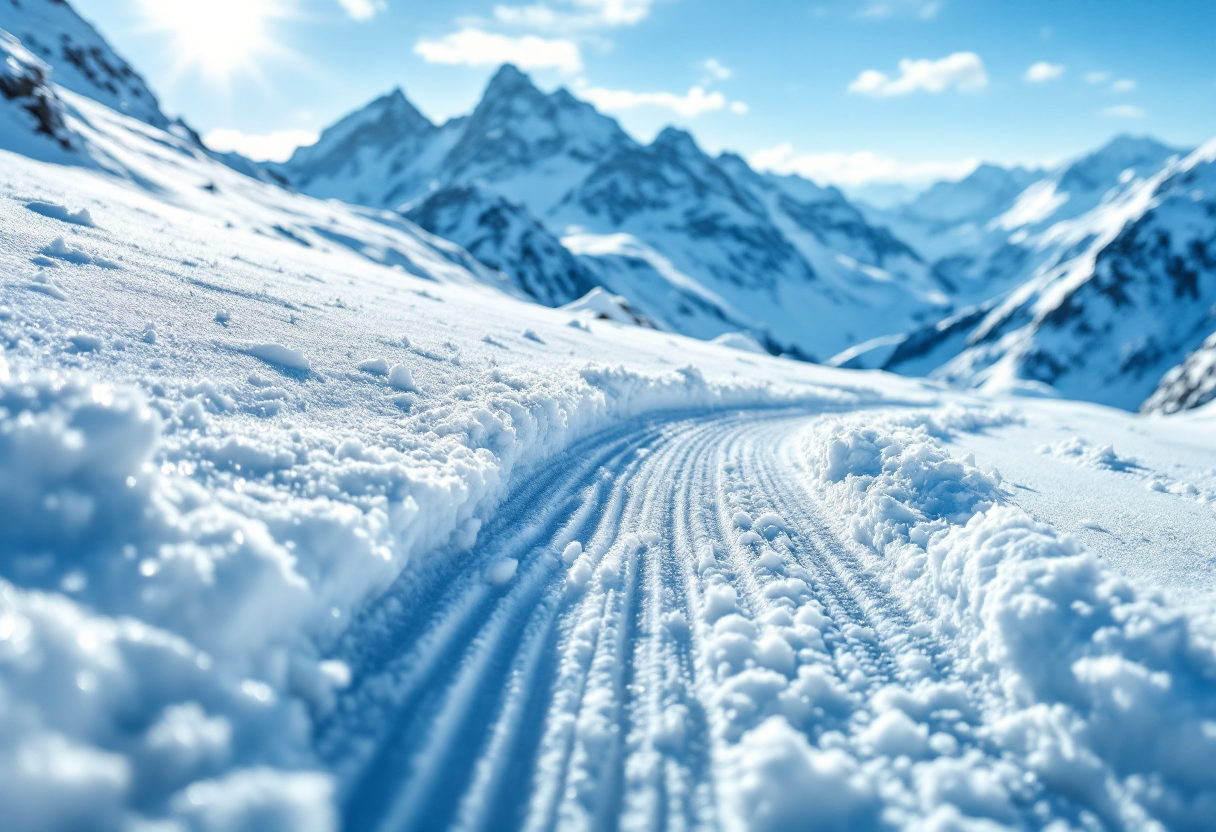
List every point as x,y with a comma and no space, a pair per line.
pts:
701,245
32,115
990,231
84,62
1190,385
504,236
527,145
1132,294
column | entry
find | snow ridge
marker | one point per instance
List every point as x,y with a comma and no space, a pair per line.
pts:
1100,686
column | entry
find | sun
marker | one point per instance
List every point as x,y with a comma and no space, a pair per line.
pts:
219,38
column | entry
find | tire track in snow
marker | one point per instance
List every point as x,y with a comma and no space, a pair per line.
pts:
457,664
603,693
437,624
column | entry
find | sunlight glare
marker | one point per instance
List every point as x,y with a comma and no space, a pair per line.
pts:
218,37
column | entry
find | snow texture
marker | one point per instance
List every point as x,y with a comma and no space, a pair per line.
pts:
311,521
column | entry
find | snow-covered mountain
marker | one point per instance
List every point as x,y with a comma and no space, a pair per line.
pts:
1190,385
504,236
32,115
84,62
990,231
528,146
795,264
1131,294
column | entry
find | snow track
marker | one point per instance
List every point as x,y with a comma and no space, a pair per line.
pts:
610,689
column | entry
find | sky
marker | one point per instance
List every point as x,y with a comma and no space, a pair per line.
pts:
848,92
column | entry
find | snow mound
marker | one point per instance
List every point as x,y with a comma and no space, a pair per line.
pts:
278,355
1083,452
1104,691
63,213
742,341
601,305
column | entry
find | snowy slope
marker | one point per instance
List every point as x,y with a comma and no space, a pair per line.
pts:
308,542
794,263
83,61
309,524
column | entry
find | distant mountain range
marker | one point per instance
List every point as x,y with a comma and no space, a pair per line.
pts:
559,197
1094,280
1106,269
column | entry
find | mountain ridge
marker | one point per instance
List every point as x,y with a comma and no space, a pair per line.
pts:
754,243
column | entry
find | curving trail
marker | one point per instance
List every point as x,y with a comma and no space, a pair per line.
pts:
606,689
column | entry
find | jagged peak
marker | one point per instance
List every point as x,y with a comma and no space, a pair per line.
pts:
1142,153
509,81
1126,144
676,140
384,121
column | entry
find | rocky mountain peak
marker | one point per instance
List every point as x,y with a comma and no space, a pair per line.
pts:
84,62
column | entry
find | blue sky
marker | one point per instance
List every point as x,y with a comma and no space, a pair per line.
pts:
846,91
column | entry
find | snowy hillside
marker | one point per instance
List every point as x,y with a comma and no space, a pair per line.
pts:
746,251
347,532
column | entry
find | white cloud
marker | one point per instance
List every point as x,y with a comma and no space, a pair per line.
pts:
1043,71
860,168
268,147
363,9
1124,111
693,103
883,9
473,47
571,15
963,71
1097,77
1123,85
716,69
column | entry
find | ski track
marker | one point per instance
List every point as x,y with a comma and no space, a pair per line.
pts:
553,704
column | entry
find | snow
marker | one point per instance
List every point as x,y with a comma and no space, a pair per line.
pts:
62,213
740,341
279,355
206,510
1094,675
313,523
400,378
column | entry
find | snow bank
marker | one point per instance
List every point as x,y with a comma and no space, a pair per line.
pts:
1101,692
178,581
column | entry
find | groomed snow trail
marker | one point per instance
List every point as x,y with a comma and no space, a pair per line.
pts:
677,587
